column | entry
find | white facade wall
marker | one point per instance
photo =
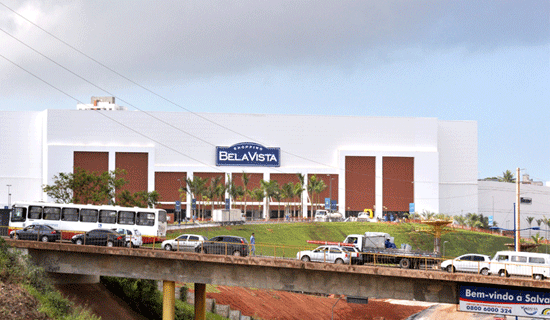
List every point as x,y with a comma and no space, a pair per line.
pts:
445,152
21,139
457,146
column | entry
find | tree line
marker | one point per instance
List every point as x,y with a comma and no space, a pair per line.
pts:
199,189
87,187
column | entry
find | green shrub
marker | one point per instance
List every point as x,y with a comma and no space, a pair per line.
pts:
18,268
183,293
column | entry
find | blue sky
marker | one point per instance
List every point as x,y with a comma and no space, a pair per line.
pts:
487,61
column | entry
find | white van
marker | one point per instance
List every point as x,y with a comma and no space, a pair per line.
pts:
507,263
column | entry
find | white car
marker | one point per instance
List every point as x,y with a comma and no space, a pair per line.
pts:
133,238
328,253
184,242
471,262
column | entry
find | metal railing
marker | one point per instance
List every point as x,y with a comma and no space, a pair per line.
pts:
277,251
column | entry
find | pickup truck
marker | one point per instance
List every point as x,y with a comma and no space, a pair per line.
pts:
326,216
379,248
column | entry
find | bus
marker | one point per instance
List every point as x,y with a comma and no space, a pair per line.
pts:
76,218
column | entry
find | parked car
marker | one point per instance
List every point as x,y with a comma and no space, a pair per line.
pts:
100,237
506,263
471,262
328,253
38,232
237,246
184,242
133,238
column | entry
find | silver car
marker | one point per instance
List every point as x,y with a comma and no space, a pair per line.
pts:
184,242
327,253
471,262
133,238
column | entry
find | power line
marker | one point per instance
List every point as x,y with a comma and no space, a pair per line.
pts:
176,104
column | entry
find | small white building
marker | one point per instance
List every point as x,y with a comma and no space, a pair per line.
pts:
497,199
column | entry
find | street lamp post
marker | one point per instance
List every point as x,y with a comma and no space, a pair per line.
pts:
9,196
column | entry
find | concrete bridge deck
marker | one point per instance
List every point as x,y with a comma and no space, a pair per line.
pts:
268,273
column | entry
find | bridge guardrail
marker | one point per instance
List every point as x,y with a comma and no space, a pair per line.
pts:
275,251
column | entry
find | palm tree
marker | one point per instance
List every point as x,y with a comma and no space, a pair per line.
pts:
246,179
287,191
460,220
270,188
474,220
311,185
537,239
529,221
319,187
428,215
210,193
234,191
200,189
507,176
257,194
299,189
195,188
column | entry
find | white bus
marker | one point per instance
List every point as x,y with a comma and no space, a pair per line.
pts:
85,217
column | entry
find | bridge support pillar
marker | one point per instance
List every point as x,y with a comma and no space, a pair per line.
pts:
200,301
168,300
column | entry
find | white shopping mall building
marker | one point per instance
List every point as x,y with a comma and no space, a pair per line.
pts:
388,164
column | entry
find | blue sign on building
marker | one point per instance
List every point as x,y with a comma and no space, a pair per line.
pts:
248,154
227,204
194,204
411,207
327,203
178,205
333,205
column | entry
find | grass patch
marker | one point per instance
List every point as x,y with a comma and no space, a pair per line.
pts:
285,239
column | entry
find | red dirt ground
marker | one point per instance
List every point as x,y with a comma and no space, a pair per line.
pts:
270,304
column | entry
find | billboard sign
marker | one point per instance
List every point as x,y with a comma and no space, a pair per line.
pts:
504,301
248,154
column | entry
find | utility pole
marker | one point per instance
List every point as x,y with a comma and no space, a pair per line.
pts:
517,212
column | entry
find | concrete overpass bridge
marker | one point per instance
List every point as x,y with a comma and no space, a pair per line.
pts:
71,263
